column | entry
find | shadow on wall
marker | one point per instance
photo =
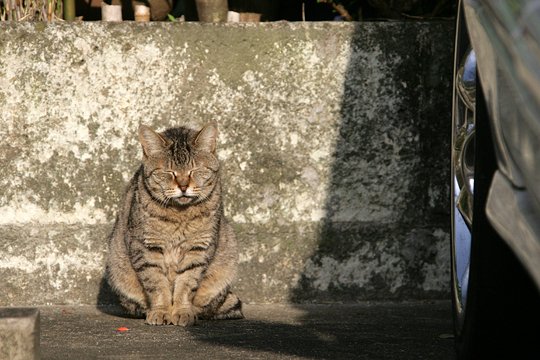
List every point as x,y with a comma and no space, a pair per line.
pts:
385,232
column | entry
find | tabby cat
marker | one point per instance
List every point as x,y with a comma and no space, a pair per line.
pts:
172,254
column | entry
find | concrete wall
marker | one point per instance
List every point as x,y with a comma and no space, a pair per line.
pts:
334,143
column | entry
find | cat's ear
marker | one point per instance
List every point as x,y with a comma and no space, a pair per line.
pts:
206,138
152,143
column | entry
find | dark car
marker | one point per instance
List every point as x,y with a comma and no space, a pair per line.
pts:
496,180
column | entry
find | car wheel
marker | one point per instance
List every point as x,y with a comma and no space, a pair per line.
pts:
494,301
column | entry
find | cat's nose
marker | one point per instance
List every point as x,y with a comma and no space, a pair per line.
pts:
182,184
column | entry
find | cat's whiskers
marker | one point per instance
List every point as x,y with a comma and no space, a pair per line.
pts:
202,196
164,202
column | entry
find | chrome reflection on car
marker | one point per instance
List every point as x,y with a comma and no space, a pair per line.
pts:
463,148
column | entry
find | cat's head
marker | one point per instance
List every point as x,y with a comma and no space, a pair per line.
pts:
180,164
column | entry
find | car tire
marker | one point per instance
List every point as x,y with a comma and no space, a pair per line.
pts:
499,316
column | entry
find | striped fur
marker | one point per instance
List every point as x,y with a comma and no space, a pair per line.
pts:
172,255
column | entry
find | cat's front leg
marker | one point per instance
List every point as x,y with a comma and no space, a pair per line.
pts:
183,312
189,275
158,292
149,268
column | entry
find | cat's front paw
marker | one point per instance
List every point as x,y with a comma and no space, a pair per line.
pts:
183,316
157,317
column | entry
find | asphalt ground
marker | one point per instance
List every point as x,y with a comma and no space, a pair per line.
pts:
412,330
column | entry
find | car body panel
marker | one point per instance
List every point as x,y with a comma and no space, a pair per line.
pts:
522,228
505,36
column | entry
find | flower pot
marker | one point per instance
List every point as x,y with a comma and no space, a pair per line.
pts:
142,13
111,12
212,10
250,17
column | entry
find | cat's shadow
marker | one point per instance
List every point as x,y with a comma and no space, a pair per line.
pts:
108,303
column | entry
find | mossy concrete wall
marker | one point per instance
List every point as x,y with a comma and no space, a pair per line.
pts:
333,139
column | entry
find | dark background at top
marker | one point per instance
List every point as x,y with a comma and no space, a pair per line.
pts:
291,10
313,10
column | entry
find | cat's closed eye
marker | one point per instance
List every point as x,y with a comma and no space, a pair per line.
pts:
202,174
163,174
